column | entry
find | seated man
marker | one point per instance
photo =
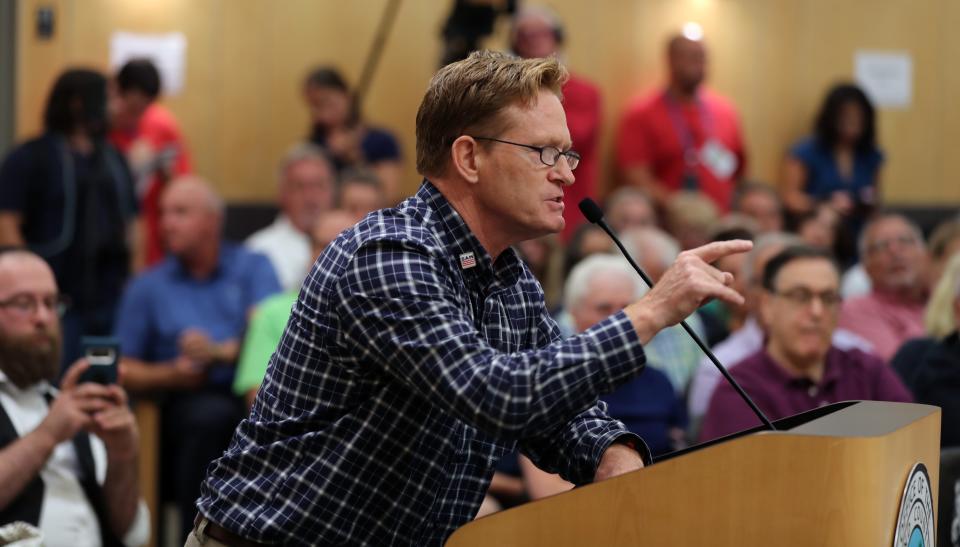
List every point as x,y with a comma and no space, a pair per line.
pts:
602,285
894,257
360,192
306,188
628,208
761,202
270,317
748,339
799,368
672,351
180,325
55,475
599,286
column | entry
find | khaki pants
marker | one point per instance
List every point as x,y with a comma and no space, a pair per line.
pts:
199,539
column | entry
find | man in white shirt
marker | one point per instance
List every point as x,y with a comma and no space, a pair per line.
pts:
68,458
307,188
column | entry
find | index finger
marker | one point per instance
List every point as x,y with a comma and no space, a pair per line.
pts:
73,373
719,249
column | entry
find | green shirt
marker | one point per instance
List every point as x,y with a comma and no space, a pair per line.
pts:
263,334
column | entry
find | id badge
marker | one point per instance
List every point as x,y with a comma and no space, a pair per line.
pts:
718,159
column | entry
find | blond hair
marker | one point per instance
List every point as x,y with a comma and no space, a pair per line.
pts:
469,96
939,319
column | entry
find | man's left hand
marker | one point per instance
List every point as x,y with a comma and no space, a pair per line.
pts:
617,460
117,427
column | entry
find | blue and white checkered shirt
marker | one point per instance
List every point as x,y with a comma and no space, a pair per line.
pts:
402,378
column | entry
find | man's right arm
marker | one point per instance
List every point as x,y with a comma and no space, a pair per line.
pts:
179,374
70,412
21,460
398,310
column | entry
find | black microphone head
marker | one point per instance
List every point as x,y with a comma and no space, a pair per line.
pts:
591,210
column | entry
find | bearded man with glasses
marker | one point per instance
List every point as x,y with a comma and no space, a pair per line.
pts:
799,367
68,457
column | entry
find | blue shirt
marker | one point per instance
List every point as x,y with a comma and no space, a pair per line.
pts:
160,304
411,363
649,407
823,175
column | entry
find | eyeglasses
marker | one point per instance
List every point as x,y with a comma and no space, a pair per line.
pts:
26,305
905,240
805,297
549,155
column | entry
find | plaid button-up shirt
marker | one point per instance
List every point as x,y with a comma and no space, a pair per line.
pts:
400,380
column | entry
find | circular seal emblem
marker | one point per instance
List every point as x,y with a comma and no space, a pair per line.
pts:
915,520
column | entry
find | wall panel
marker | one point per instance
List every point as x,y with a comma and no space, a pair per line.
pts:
242,107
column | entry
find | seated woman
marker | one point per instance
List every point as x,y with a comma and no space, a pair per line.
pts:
840,163
930,367
336,124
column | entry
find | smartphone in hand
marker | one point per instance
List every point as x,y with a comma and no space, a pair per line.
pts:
103,354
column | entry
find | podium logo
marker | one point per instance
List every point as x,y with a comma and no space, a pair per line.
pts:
915,520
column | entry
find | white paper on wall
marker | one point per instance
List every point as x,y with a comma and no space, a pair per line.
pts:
885,76
167,51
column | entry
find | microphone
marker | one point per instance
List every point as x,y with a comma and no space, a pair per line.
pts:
594,214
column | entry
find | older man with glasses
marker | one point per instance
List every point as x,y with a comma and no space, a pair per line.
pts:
896,261
799,367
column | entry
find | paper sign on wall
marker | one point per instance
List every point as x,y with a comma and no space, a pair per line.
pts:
167,51
886,77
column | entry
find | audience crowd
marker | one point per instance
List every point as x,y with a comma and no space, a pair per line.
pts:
112,234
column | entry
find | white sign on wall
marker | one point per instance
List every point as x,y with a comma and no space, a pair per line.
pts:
167,51
885,76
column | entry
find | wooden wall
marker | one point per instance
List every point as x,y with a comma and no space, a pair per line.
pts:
775,58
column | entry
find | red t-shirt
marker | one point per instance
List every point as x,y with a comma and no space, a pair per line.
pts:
653,131
581,103
159,128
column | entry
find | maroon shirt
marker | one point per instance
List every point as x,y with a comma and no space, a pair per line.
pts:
848,375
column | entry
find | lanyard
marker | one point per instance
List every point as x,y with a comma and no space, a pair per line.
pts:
690,156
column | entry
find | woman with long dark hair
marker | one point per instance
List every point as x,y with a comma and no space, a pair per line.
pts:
840,163
68,196
338,126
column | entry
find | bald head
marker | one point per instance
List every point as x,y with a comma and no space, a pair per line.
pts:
197,189
536,32
687,62
191,215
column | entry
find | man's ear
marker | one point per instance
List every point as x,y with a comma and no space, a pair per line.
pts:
464,155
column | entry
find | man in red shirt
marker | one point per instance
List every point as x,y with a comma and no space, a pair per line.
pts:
149,136
537,32
683,137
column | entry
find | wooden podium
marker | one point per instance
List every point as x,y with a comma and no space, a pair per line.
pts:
831,476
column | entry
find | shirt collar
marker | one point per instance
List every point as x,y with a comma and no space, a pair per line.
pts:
40,387
831,373
217,271
468,253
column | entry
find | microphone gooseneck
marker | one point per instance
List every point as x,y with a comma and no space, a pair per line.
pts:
594,214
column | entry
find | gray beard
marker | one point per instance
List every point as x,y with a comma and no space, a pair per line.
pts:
27,362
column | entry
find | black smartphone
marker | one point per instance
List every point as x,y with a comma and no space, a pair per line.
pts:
103,354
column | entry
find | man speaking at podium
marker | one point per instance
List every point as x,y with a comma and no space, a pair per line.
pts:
420,351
